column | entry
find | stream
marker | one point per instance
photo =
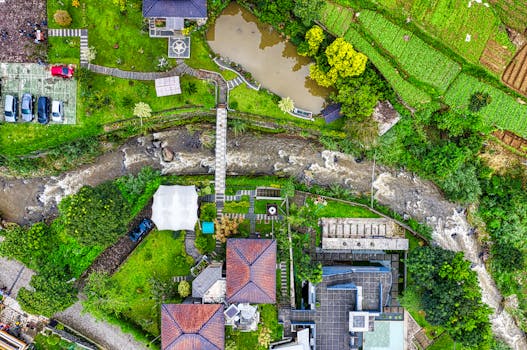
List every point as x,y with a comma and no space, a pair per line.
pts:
30,200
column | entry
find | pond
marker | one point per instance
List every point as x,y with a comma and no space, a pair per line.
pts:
273,62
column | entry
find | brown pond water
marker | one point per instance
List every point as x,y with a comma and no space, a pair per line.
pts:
273,62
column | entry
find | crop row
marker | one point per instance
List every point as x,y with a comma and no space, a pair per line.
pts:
408,92
503,111
415,56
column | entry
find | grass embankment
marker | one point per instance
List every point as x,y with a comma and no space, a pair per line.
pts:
102,100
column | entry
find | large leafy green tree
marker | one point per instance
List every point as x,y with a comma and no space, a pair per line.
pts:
95,215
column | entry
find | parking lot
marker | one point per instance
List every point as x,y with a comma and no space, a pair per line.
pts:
19,78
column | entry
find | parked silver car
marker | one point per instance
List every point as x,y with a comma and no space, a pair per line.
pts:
11,108
27,107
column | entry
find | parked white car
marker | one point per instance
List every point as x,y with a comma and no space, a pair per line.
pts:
57,111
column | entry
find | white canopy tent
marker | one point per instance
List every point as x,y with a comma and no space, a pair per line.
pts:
175,208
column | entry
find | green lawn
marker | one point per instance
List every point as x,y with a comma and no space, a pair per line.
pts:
159,256
262,102
241,207
336,209
102,100
503,111
64,50
108,28
260,206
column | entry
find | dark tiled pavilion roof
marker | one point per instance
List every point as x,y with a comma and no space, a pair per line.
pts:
175,8
251,271
331,112
192,327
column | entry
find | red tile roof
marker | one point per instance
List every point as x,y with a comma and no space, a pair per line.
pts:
251,271
192,327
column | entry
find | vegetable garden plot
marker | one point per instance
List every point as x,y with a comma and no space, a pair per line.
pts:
414,55
503,110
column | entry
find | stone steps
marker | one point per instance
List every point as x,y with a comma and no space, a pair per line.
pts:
231,84
65,32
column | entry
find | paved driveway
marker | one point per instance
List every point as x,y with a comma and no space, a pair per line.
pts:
19,78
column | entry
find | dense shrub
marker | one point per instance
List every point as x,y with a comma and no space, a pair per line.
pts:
95,215
183,289
30,246
62,17
137,190
478,100
52,293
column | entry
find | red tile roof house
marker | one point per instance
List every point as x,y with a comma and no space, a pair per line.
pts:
251,278
192,327
251,271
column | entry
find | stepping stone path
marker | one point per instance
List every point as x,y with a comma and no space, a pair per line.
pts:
231,84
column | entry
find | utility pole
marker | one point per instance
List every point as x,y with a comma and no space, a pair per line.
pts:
372,178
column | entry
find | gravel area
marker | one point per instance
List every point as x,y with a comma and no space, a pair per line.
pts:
14,275
16,30
104,334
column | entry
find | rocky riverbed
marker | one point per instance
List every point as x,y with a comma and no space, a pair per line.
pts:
30,200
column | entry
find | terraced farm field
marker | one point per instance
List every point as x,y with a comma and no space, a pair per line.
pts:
337,18
407,91
451,21
415,56
516,73
503,111
512,12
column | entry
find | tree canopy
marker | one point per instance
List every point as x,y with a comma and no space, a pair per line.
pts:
342,62
450,295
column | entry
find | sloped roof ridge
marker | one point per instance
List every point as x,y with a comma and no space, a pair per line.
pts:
248,285
263,252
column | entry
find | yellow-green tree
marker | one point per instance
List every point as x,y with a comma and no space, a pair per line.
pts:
343,61
319,76
314,37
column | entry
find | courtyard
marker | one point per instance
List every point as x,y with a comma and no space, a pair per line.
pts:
18,78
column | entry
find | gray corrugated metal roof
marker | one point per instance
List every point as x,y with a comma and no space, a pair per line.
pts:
205,280
175,8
